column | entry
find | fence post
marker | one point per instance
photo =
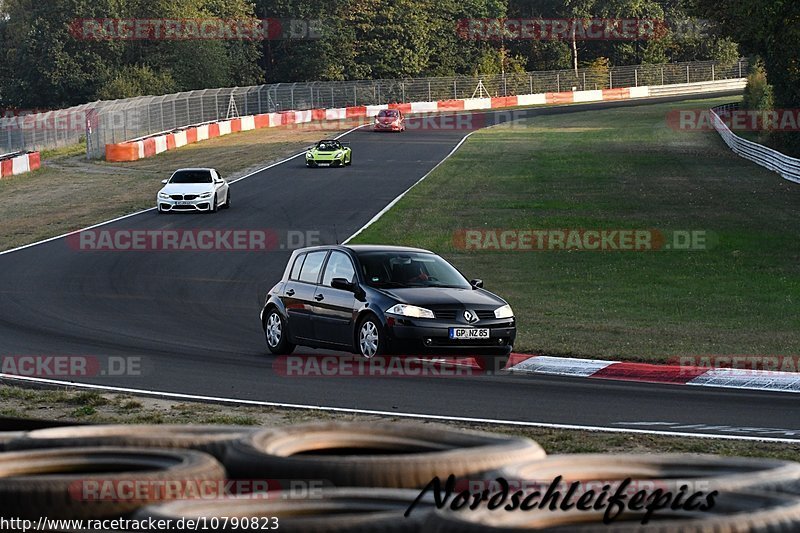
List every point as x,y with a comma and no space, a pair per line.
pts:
216,106
740,68
292,96
403,88
610,79
355,96
429,90
636,77
530,83
687,74
584,80
558,82
662,75
712,72
505,85
333,98
455,90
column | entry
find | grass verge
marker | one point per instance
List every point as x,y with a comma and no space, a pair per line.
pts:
96,407
611,170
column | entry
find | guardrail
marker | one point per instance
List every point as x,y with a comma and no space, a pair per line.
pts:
787,167
109,122
139,148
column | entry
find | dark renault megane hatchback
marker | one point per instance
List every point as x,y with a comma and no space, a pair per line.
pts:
377,300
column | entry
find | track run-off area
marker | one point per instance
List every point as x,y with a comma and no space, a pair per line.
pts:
191,319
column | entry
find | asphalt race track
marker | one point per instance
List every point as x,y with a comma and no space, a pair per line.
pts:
193,316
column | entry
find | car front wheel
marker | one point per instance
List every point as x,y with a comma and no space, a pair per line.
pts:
277,335
370,338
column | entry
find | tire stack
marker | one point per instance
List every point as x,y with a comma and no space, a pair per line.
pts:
364,477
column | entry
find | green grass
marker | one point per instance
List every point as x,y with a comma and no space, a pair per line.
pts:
619,169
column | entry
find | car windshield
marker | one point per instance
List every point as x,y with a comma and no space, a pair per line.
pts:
395,269
191,176
327,146
389,113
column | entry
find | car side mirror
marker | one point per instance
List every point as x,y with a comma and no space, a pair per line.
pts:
164,181
476,283
342,284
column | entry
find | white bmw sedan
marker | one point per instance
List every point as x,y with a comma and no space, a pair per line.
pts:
194,189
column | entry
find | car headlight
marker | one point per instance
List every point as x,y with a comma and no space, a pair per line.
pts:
308,155
205,195
504,312
163,195
339,155
411,311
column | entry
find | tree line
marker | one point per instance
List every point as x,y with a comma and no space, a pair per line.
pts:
45,61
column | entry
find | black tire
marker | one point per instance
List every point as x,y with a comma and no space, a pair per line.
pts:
51,481
732,512
385,454
8,436
276,333
329,510
364,332
667,471
227,200
210,439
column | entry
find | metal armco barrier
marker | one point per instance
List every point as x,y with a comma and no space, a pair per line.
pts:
786,166
111,122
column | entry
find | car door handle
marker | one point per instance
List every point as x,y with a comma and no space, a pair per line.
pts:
319,297
290,292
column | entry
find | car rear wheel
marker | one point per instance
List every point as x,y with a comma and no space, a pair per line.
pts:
370,338
277,334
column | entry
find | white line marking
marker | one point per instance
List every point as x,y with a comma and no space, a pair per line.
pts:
216,399
393,202
123,217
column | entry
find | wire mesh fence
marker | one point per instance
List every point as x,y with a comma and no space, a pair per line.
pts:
107,122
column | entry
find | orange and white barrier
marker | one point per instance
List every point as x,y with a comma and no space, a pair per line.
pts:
147,147
15,164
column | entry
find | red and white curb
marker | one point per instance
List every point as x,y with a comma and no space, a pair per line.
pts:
18,163
736,378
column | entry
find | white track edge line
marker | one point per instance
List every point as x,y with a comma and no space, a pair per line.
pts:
260,403
123,217
394,202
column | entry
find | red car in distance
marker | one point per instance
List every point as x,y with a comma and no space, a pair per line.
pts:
390,120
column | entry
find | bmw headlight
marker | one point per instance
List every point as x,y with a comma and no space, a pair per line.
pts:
205,195
163,195
410,311
504,312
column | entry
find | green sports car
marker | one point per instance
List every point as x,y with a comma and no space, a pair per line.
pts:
328,153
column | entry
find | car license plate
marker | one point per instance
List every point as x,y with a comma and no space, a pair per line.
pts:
183,202
469,333
324,164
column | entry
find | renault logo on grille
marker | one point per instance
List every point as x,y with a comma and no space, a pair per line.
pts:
470,316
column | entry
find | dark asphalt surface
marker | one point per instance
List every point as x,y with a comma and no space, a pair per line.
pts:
192,317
